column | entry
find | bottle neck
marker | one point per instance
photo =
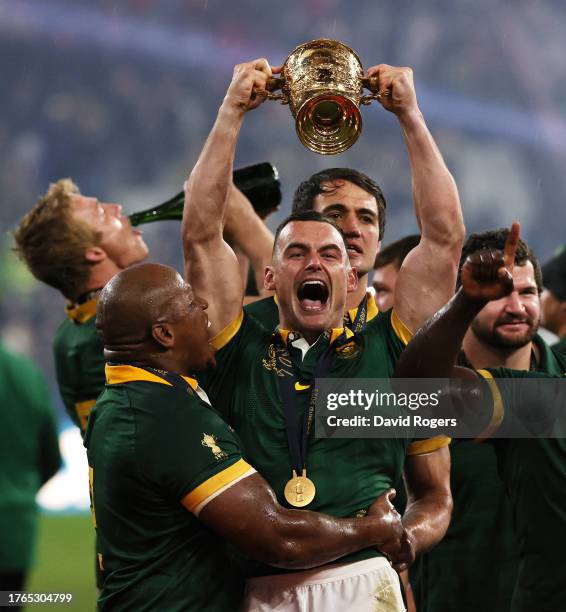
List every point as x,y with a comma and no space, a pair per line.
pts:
259,183
172,210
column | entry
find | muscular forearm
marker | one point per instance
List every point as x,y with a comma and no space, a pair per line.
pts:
308,539
428,275
435,194
426,520
210,182
261,528
246,231
433,351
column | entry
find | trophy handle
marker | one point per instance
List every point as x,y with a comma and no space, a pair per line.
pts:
272,85
372,84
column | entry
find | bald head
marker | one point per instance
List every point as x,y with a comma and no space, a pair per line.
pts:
149,316
132,302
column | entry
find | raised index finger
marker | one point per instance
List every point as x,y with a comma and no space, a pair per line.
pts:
511,246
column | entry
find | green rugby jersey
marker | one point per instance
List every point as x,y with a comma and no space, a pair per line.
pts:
474,567
560,346
153,447
79,361
349,474
534,474
265,311
29,455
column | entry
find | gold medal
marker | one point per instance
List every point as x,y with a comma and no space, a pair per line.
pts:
300,490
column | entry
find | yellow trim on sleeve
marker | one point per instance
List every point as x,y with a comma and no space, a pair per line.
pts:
91,492
82,313
223,337
401,330
498,407
427,446
83,411
214,483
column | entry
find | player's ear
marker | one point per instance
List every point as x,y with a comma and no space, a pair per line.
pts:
95,254
352,280
378,249
269,279
163,334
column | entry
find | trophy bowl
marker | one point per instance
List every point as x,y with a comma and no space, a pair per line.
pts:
322,81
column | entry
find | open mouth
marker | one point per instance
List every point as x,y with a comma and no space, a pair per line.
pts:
353,249
313,295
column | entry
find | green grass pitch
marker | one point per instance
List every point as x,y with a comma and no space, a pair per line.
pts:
65,561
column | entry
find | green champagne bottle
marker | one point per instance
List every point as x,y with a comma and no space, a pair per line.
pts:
258,182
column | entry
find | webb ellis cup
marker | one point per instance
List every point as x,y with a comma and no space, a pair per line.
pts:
322,81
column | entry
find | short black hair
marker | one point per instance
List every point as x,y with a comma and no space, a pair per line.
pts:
396,252
495,239
305,215
307,191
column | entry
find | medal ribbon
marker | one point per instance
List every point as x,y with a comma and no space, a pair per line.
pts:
359,323
298,404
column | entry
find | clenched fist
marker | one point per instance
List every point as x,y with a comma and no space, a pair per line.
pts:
488,274
402,98
248,84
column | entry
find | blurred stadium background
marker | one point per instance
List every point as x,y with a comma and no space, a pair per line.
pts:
120,97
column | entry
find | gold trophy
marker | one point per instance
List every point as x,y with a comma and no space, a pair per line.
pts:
322,81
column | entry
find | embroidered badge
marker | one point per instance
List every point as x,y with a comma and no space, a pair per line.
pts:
348,351
277,361
209,440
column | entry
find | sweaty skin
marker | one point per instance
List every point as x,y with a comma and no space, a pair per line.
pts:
427,277
149,316
139,311
211,267
486,275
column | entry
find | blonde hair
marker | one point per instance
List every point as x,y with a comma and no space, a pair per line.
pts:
53,243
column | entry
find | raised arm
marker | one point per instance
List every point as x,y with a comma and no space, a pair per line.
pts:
428,275
246,230
433,351
248,515
210,264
